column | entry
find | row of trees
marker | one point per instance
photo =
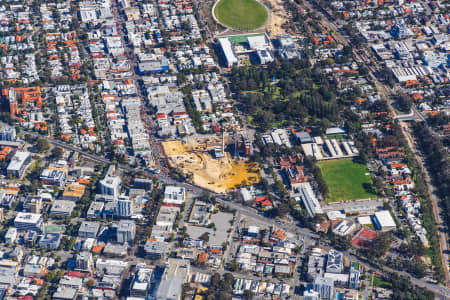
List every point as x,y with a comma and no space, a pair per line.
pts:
404,290
321,183
438,163
421,190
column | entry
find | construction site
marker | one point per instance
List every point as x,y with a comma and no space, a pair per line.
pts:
279,18
209,166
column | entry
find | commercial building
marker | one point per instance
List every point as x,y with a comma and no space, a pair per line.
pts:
64,293
73,192
84,262
53,177
142,281
339,279
50,241
175,275
355,273
115,250
88,229
126,231
384,221
404,74
33,204
335,262
28,221
8,134
311,295
153,66
174,195
95,209
11,235
143,183
325,287
18,164
110,185
111,266
62,208
70,281
35,270
124,206
155,249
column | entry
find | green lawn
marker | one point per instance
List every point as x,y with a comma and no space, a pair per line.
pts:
378,282
346,180
241,14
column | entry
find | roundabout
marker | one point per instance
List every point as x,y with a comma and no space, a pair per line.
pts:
242,15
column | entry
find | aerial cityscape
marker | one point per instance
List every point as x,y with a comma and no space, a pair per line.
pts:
224,149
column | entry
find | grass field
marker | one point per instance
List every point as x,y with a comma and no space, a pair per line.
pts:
346,180
241,14
378,282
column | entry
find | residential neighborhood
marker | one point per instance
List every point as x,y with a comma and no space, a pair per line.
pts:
229,149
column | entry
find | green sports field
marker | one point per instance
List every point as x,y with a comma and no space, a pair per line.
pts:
241,14
54,228
346,180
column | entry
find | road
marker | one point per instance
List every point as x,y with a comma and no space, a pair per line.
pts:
155,147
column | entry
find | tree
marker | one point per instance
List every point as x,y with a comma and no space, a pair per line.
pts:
404,102
234,266
220,288
205,237
50,276
42,145
90,283
57,153
248,295
380,245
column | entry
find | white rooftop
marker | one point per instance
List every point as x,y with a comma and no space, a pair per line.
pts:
385,219
23,217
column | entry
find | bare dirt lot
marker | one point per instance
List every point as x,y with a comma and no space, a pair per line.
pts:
278,17
216,174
